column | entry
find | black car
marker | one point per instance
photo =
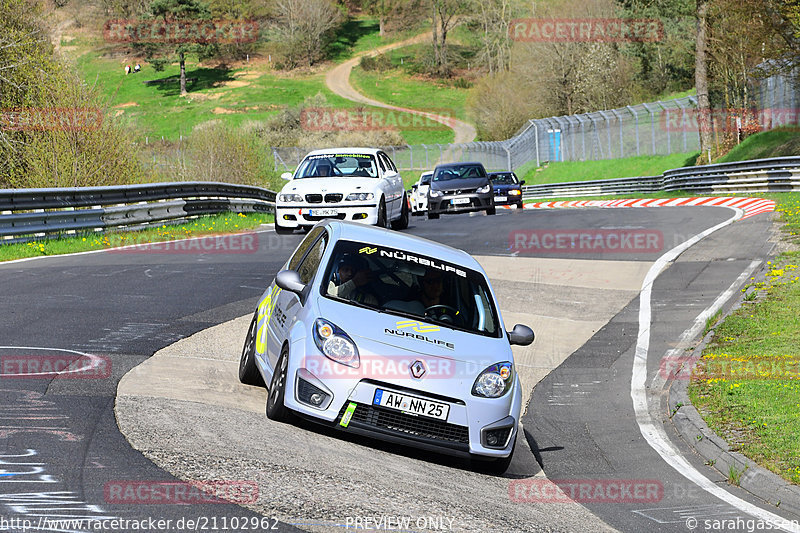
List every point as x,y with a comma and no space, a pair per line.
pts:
460,188
507,188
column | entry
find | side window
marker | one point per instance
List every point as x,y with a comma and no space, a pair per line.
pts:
310,264
294,262
381,162
389,162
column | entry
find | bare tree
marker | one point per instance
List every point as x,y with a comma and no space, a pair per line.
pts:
445,18
701,78
494,17
304,27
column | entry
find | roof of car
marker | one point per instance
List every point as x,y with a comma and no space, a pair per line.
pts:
354,231
465,163
345,150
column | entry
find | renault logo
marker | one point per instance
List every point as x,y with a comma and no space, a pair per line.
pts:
417,369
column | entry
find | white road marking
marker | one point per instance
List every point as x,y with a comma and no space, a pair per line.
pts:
653,433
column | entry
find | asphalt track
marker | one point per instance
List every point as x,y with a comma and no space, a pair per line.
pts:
62,434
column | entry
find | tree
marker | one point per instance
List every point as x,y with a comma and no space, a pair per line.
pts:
304,27
494,18
701,79
445,17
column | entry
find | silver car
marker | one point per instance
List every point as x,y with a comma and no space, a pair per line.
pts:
391,336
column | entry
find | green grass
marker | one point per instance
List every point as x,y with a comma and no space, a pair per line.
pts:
604,169
774,143
747,384
204,225
362,34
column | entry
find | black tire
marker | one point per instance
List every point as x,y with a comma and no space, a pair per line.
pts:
248,372
276,410
494,467
433,216
382,222
491,211
402,222
281,230
520,205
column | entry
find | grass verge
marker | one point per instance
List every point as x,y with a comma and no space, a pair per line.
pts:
774,143
201,226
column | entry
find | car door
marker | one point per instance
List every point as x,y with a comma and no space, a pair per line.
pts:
283,306
394,187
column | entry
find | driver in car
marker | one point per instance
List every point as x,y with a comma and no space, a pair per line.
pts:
432,297
351,280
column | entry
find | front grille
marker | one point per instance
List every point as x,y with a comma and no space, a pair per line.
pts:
314,218
408,425
314,198
333,198
462,191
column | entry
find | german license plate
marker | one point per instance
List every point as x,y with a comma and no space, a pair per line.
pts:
460,201
500,198
411,404
321,212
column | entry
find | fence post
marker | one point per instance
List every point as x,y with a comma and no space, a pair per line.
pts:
652,129
666,117
536,142
619,119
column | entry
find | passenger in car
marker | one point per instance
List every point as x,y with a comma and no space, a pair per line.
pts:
351,280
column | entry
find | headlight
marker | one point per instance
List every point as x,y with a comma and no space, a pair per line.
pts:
483,190
290,198
434,193
359,196
514,192
335,344
495,381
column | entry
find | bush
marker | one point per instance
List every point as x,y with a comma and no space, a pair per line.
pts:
379,63
500,107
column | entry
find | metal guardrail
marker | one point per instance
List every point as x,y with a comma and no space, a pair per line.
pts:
28,213
779,174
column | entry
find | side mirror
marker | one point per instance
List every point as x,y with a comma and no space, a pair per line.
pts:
287,176
522,182
521,335
414,187
289,280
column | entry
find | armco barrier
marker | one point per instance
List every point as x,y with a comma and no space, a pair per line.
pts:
25,213
779,174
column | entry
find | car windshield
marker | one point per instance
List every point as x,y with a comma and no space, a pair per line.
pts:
456,172
411,285
505,178
337,165
425,180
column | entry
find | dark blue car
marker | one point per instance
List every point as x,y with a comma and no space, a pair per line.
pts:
507,188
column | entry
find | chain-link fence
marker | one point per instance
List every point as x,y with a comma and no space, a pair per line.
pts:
655,128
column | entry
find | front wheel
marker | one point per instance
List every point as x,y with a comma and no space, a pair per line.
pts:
402,222
282,230
381,223
520,205
248,373
491,211
495,467
432,216
276,410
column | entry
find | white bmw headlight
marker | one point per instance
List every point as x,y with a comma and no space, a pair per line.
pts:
495,381
335,343
483,190
290,198
359,196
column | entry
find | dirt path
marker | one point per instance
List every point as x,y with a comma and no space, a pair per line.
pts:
338,81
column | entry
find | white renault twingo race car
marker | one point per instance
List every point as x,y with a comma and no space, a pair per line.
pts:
359,184
392,336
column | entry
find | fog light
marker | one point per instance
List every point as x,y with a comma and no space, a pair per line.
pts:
359,216
316,399
492,438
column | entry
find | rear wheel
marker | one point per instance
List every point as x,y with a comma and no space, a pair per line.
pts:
276,410
402,222
248,373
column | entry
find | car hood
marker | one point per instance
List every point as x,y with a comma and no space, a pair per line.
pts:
330,185
467,183
394,335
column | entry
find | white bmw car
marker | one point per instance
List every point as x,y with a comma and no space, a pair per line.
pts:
391,336
358,184
419,194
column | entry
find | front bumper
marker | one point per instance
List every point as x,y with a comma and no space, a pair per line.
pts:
507,199
295,216
450,203
464,433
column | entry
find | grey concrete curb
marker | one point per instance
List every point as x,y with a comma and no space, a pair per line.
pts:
690,425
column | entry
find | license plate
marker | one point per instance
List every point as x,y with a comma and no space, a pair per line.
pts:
411,404
321,212
500,198
460,201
